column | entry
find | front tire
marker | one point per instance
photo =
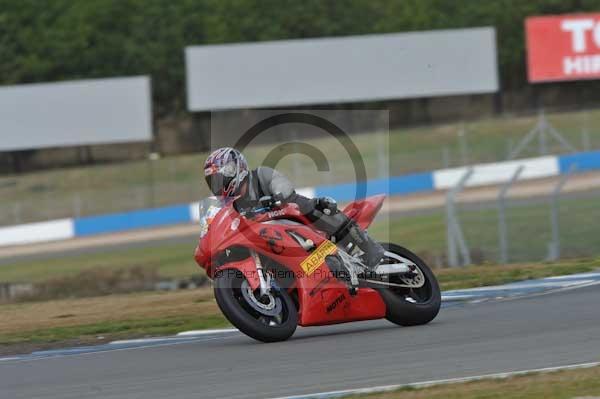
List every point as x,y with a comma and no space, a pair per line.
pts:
252,316
412,306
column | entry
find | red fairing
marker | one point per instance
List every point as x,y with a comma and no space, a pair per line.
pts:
322,299
331,303
246,267
364,211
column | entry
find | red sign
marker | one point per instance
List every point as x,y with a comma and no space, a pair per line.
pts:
563,47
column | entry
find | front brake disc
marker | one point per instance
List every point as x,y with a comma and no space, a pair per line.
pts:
270,307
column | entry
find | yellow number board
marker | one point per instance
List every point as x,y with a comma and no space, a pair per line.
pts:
317,257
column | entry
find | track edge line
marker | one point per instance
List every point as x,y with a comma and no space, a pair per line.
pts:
430,383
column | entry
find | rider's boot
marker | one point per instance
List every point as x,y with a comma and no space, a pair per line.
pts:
346,231
373,250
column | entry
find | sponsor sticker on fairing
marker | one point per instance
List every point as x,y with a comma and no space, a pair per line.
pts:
317,257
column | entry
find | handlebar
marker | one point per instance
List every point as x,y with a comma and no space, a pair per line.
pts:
267,204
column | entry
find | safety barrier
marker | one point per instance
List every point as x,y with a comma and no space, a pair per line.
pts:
483,174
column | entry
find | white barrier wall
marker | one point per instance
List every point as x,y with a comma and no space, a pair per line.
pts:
195,211
484,174
308,192
495,173
29,233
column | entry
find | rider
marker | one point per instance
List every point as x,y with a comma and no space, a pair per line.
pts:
227,174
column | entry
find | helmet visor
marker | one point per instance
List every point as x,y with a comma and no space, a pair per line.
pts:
218,183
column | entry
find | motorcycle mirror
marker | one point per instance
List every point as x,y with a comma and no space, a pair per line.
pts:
278,199
266,200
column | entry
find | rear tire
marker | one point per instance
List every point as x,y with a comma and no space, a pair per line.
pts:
412,306
237,309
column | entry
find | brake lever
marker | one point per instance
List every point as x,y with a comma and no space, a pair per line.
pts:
252,212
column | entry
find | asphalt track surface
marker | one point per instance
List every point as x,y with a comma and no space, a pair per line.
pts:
479,338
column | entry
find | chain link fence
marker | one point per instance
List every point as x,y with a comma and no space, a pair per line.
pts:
155,182
536,228
542,228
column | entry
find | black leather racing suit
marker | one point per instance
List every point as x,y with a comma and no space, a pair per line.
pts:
265,181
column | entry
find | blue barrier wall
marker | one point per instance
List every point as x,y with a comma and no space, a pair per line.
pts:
397,185
115,222
583,161
169,215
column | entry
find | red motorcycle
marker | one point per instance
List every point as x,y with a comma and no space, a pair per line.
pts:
273,271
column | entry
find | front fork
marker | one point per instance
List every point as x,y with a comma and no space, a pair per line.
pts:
264,278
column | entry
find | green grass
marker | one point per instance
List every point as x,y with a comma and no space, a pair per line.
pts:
480,276
528,229
116,329
184,266
169,260
73,321
126,186
557,385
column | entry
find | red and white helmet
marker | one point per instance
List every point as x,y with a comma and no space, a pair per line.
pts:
225,170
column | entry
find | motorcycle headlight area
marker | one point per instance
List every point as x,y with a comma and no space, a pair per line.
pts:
206,217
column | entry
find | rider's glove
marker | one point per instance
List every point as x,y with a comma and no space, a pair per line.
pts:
269,201
327,205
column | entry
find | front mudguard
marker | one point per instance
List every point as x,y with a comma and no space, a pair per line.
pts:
246,267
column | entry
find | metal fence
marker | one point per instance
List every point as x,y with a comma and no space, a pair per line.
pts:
156,182
546,227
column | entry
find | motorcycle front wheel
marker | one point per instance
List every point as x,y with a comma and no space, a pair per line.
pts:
411,306
268,318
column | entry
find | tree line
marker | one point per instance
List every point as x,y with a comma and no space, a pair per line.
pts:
52,40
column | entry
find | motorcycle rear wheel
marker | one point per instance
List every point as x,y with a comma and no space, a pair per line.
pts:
412,306
238,308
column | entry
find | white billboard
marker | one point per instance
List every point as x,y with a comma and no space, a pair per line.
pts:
344,69
84,112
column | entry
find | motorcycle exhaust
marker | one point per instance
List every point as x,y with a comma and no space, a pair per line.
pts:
393,268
